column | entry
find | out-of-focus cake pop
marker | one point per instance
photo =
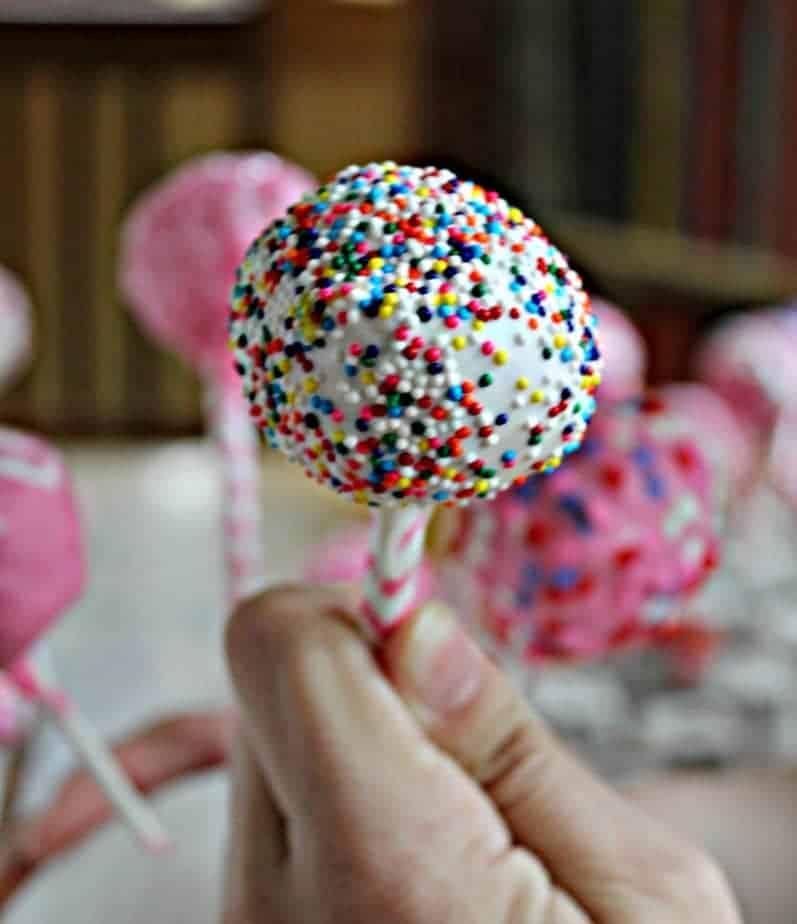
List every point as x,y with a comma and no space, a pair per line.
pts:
751,360
16,334
601,553
181,244
694,411
623,350
42,574
411,339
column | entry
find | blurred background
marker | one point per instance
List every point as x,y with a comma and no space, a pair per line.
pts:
652,139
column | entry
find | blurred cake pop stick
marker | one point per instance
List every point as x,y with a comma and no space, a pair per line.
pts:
236,442
81,734
42,574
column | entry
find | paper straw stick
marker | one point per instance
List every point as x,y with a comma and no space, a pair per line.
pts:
236,442
397,546
130,805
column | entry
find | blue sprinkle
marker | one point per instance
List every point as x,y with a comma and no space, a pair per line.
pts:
565,578
655,486
455,392
501,419
440,495
576,509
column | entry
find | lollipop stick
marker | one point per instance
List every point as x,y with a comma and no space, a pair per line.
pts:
236,442
129,804
397,544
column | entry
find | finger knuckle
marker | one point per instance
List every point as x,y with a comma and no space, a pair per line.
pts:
264,621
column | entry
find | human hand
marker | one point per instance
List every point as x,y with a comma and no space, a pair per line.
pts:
434,796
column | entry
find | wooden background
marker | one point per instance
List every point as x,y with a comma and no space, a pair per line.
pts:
92,115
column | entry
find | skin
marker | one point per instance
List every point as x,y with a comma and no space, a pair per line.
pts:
419,790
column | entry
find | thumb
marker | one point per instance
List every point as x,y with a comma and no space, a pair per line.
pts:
581,829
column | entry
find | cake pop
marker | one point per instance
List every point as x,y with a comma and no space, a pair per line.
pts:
601,553
15,327
181,245
623,350
412,340
42,574
751,360
698,413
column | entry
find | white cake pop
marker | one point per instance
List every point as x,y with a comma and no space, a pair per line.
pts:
411,340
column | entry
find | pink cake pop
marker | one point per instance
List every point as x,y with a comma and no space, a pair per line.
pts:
624,352
15,327
42,574
751,360
411,339
602,552
698,413
180,247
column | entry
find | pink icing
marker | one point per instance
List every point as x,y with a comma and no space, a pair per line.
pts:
702,415
623,350
751,360
185,237
42,570
15,327
600,553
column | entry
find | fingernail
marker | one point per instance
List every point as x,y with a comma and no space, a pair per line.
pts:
442,666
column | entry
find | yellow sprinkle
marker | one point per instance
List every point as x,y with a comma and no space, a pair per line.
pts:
450,298
423,191
324,195
482,487
451,473
515,214
439,265
437,299
403,483
376,263
310,385
424,445
391,298
360,497
477,324
560,341
537,396
550,288
401,282
367,377
522,383
554,462
338,436
501,357
459,342
284,365
428,223
385,311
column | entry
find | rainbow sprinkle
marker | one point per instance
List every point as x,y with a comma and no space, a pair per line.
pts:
410,337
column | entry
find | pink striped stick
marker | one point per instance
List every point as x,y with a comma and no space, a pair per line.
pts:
397,545
236,442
